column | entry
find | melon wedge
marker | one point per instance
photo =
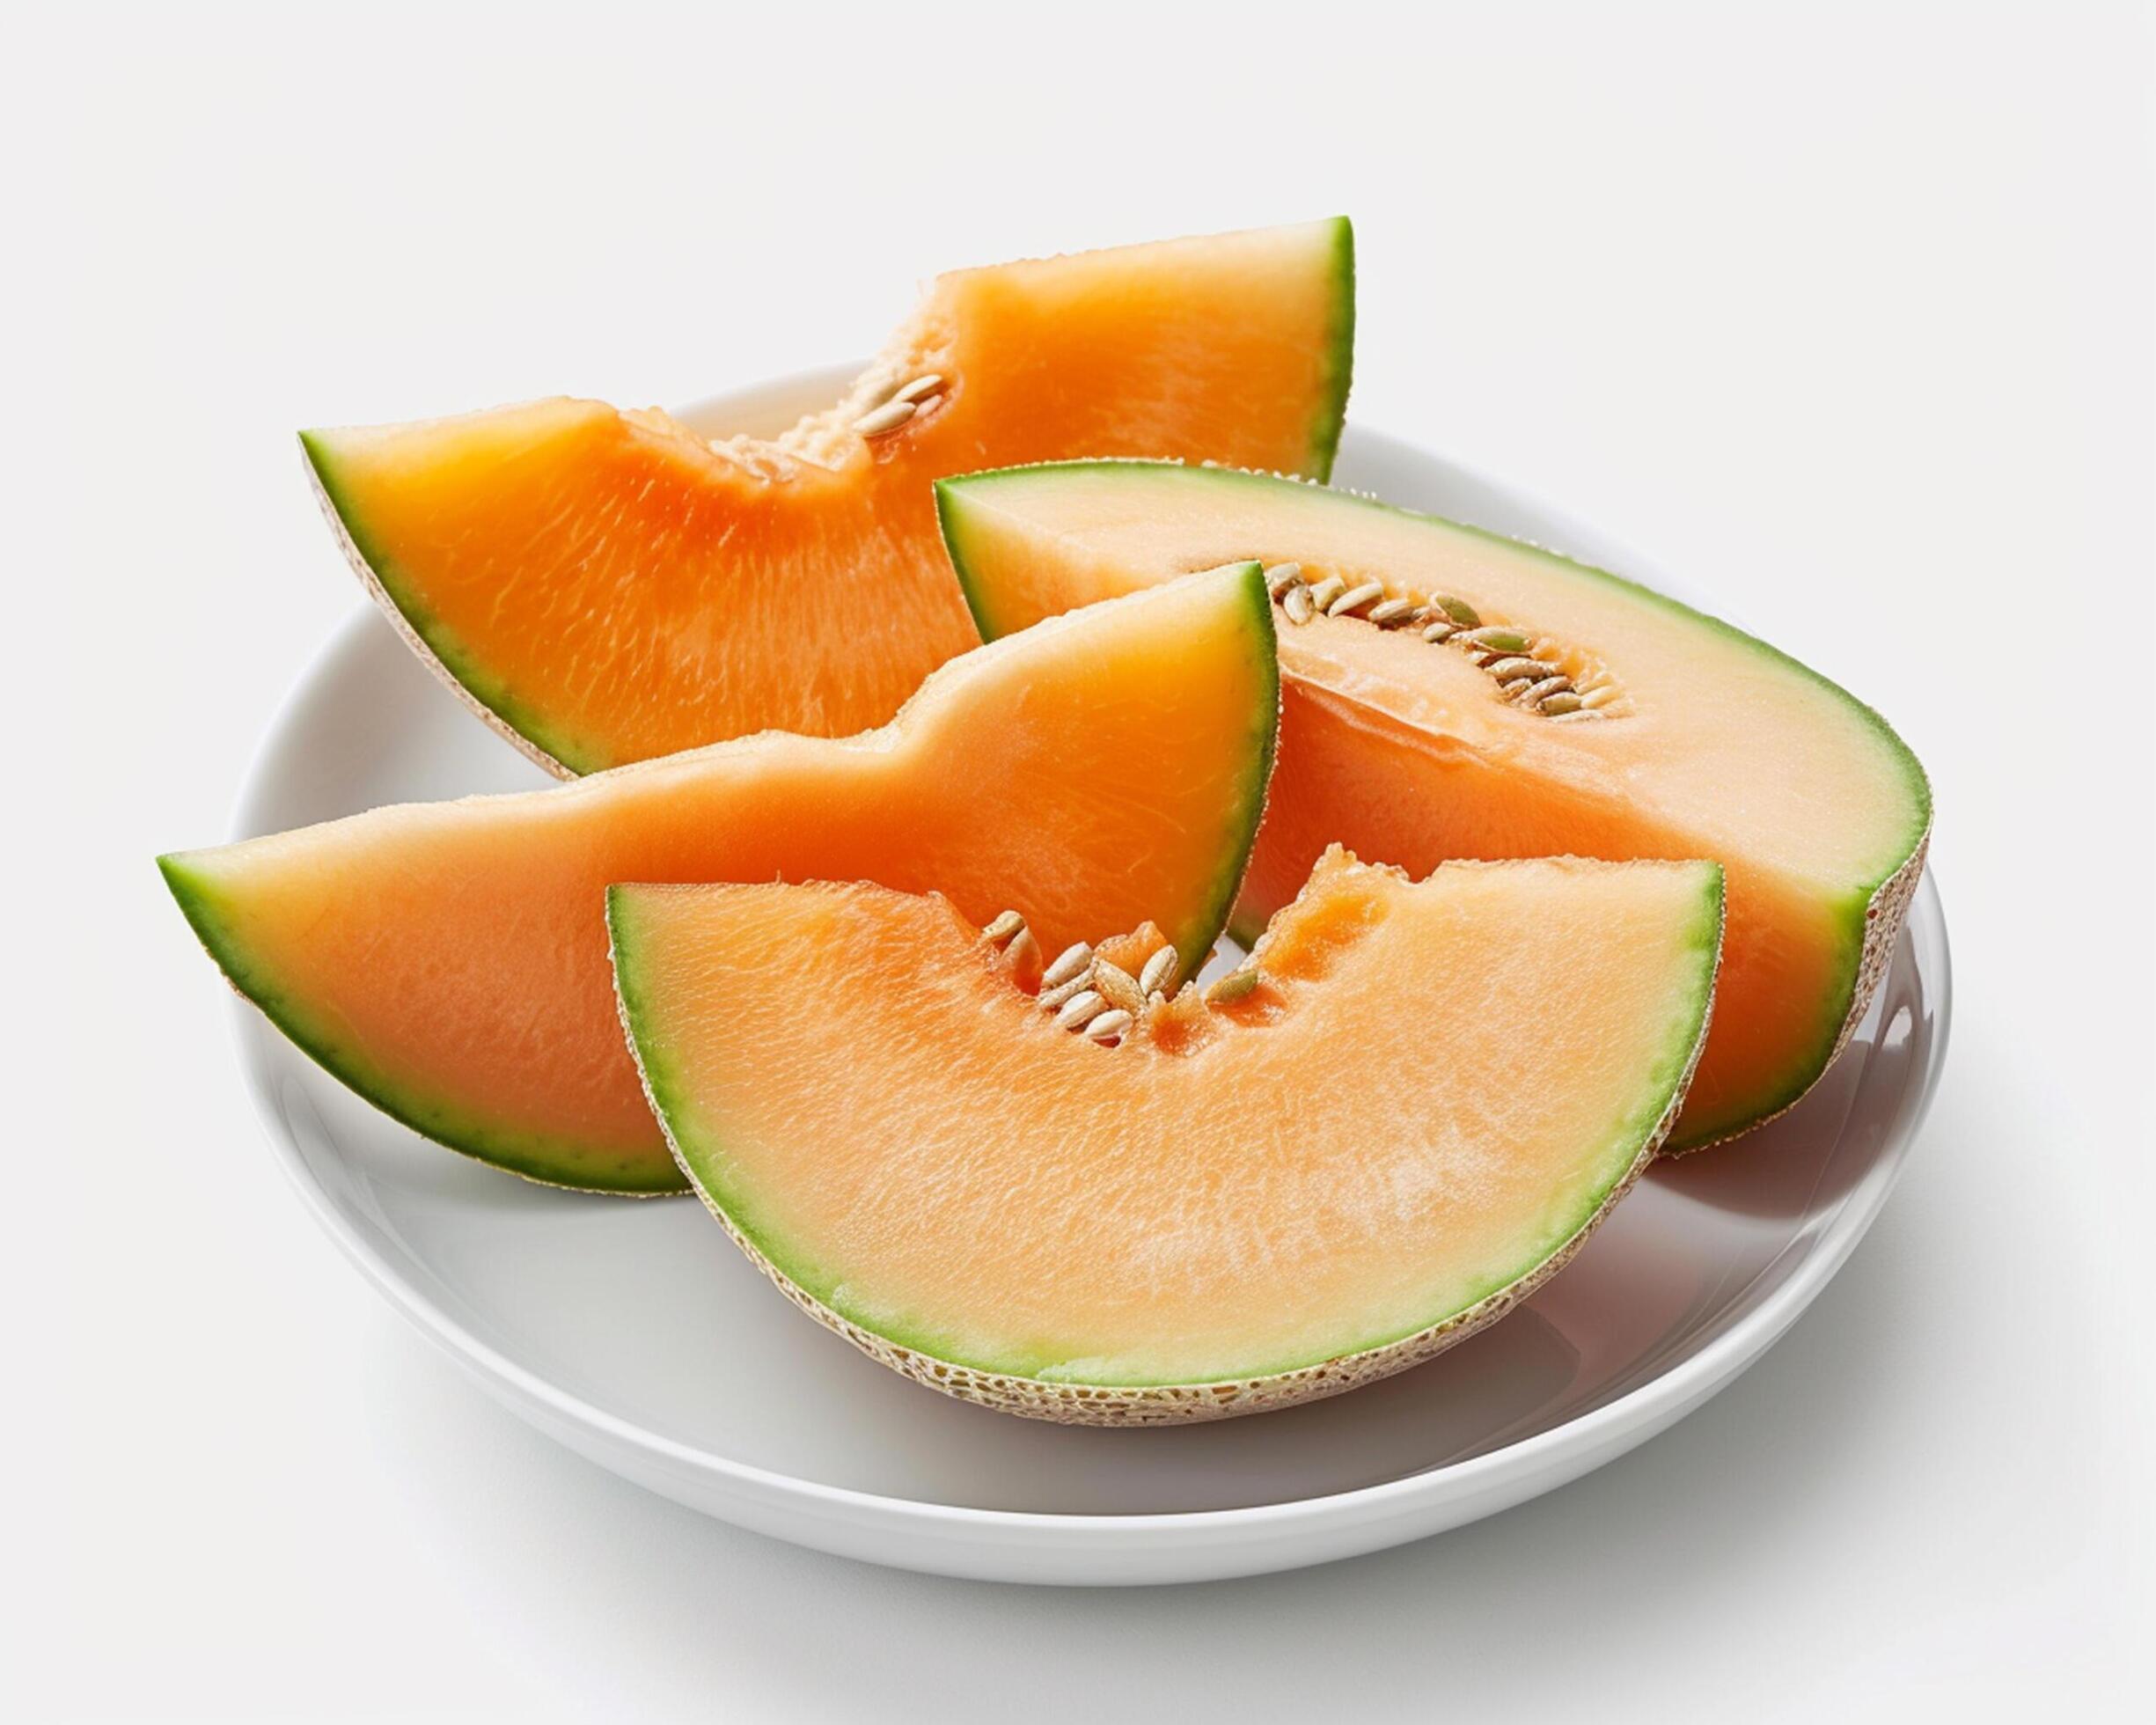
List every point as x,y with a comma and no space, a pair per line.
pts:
448,961
1684,736
1430,1096
603,587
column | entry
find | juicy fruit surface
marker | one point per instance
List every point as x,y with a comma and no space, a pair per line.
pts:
610,586
1720,746
1287,1187
449,960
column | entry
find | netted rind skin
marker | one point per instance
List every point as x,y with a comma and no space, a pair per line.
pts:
1883,918
1186,1404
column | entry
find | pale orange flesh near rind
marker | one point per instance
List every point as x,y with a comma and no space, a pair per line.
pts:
606,587
449,960
1438,1088
1407,750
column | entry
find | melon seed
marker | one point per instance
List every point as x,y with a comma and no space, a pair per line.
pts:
1440,631
1459,609
1117,986
1281,576
1498,640
1232,988
1562,703
926,384
1548,686
1109,1026
1393,612
888,417
926,402
1355,598
1078,1010
1050,999
1004,927
1159,973
1073,962
1505,669
1599,696
1325,592
1298,605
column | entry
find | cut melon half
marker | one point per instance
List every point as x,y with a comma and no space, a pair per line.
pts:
603,587
1412,1106
448,961
1563,710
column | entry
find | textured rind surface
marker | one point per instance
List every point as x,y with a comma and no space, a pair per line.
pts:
1187,1404
402,624
1883,916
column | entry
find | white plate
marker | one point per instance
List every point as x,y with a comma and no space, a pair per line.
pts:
636,1334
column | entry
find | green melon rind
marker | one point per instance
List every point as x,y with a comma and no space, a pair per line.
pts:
1886,893
438,646
1250,810
1340,363
547,1160
579,1167
1038,1392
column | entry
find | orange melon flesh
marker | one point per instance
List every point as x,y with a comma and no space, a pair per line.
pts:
1437,1088
449,960
605,587
1719,747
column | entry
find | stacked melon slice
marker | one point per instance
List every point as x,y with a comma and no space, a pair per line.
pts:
910,985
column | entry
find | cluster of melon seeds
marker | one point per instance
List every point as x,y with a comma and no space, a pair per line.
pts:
1088,994
901,405
1526,668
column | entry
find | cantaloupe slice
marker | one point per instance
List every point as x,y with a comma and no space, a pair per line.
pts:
1430,1096
1580,713
448,961
605,587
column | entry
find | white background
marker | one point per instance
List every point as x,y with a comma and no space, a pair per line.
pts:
1846,315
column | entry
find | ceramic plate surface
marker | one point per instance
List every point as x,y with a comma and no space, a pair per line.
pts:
636,1334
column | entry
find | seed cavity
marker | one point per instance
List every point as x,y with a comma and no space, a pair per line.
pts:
1524,666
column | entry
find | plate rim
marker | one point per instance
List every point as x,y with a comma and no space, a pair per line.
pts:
1597,1435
